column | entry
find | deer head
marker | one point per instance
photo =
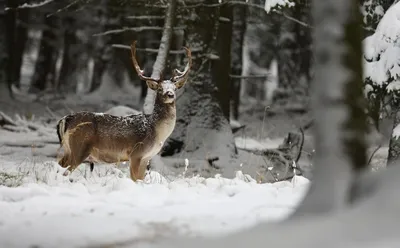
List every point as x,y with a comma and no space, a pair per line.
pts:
165,88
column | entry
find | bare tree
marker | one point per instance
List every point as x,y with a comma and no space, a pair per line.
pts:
162,55
238,31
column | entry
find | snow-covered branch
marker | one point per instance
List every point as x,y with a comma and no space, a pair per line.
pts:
32,5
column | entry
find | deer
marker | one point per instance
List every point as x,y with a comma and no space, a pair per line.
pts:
89,137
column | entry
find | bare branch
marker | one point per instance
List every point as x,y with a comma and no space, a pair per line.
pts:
135,29
162,55
250,76
294,19
144,17
373,154
152,50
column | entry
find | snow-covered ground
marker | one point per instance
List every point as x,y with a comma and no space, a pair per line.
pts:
44,209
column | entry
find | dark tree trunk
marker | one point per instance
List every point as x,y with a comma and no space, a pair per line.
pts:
17,34
294,56
221,67
106,58
4,84
238,31
99,46
20,40
201,132
75,57
394,144
47,55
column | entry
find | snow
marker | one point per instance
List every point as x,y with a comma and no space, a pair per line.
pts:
270,4
104,207
396,132
253,144
382,49
33,5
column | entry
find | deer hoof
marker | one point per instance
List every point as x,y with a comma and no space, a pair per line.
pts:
66,173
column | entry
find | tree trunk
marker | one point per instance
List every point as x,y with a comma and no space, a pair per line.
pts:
294,56
238,31
99,46
201,132
47,55
21,38
394,144
162,55
5,88
17,35
75,57
106,58
340,122
221,67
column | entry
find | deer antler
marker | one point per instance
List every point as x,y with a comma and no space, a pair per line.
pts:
180,76
137,67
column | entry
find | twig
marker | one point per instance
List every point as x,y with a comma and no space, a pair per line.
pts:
294,19
372,155
301,146
5,119
51,112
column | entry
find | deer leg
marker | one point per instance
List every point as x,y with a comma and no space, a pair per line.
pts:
78,159
134,168
79,144
142,168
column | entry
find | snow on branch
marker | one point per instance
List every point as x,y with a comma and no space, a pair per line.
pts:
270,4
32,5
382,51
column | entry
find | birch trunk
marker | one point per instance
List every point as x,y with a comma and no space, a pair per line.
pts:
162,55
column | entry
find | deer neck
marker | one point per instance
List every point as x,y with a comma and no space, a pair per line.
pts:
163,117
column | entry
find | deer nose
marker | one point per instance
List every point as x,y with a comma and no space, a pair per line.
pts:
170,94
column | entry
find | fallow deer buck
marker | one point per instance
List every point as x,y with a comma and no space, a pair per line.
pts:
135,138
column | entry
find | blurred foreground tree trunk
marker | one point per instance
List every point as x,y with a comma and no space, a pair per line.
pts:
44,73
201,132
338,102
238,31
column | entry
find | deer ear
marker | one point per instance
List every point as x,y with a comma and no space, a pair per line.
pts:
180,83
152,84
